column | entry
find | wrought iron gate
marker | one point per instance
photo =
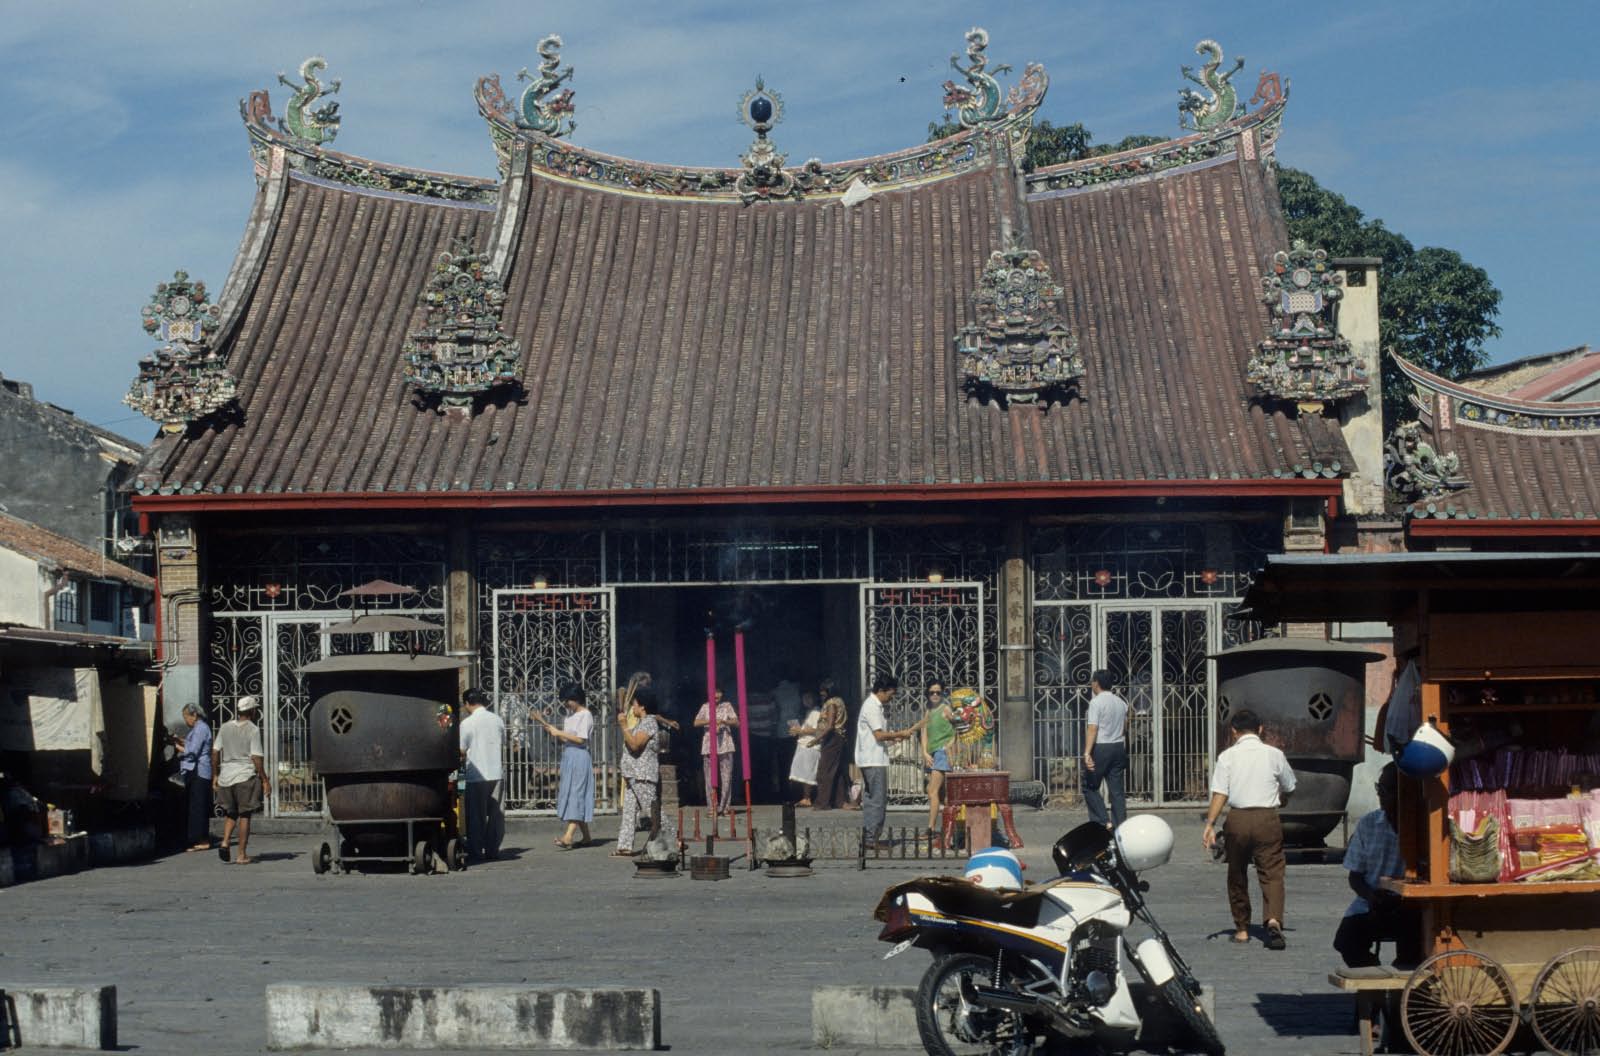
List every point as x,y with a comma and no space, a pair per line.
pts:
1157,652
541,639
919,632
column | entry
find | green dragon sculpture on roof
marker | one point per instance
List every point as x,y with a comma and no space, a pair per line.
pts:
313,125
1220,102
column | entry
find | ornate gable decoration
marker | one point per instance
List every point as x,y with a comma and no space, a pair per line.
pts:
543,108
186,379
310,125
1217,102
764,177
1304,358
461,352
1413,470
1019,349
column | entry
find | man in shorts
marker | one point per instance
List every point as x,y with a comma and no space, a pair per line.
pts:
239,776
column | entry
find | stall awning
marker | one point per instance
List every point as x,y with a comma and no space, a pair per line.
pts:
1359,587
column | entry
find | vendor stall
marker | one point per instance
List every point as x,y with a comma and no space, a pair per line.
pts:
1497,652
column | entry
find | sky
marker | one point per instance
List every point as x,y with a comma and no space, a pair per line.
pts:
1462,124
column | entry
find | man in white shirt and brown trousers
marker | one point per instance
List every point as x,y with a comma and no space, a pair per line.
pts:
1252,779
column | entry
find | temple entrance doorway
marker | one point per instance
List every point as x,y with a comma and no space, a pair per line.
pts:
795,635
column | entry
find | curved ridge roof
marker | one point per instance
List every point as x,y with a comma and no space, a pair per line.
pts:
1520,460
804,344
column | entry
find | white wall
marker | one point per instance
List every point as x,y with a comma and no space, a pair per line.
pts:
21,590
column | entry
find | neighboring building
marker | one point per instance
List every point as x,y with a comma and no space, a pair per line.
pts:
1568,376
67,475
1487,472
77,703
922,413
53,583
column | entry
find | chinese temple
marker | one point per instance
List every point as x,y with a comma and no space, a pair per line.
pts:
927,412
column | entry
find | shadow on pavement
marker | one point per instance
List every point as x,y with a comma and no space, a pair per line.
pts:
1308,1015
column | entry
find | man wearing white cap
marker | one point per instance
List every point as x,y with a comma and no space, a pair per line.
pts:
239,775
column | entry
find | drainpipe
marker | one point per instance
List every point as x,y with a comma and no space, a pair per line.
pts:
47,599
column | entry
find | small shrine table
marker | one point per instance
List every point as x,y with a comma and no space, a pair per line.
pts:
978,788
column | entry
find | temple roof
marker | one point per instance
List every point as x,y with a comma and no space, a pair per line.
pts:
1498,457
677,332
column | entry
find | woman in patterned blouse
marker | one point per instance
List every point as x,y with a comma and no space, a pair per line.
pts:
829,733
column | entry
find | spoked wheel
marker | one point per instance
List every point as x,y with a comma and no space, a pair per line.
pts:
949,1026
322,859
455,856
1459,1003
422,858
1180,994
1566,1003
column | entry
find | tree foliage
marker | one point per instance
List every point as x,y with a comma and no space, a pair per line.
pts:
1049,144
1434,308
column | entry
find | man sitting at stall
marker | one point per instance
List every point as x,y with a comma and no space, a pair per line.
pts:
1377,915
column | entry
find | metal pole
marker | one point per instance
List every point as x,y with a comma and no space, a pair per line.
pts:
712,761
744,727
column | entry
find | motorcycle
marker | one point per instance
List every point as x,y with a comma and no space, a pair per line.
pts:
1016,971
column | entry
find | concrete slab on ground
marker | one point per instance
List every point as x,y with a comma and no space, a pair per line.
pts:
192,944
58,1017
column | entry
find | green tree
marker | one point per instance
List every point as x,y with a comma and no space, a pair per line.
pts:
1049,144
1434,308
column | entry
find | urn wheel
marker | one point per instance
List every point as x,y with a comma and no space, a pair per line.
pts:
1566,1003
1459,1003
422,858
322,858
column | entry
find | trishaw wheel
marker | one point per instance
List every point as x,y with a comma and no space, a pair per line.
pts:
322,859
422,858
1459,1003
1566,1003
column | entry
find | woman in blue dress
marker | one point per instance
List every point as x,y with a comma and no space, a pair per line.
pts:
575,800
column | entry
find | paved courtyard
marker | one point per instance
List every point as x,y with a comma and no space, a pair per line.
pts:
192,944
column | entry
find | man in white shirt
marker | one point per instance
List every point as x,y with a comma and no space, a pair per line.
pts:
239,775
1252,779
1105,751
872,757
483,735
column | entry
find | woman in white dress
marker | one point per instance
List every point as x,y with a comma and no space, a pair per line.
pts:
803,770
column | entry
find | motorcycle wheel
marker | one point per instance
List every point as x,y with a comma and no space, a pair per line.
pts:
1201,1029
948,1028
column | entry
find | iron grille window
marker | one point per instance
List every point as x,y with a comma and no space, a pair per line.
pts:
103,602
69,604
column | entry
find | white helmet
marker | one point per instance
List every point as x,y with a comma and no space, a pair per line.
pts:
1144,842
995,868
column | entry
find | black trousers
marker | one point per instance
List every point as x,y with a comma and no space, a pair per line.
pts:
1110,766
1360,933
197,793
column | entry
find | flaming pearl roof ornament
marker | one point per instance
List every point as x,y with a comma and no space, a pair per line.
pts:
764,177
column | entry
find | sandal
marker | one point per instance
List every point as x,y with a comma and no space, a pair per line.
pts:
622,854
563,846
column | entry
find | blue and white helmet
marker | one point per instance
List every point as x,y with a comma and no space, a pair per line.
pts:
995,868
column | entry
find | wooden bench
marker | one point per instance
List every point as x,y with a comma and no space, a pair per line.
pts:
1371,986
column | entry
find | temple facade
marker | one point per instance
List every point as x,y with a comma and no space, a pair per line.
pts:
926,413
